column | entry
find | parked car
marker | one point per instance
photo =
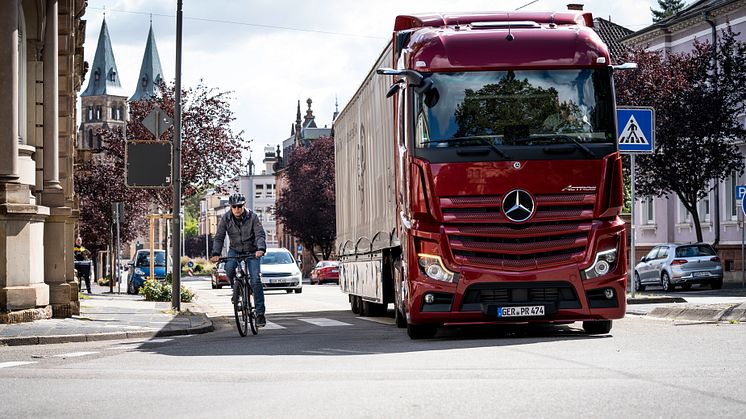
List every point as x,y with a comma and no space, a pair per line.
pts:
279,271
670,265
325,271
219,277
140,269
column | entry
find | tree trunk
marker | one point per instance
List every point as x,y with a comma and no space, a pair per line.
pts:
697,225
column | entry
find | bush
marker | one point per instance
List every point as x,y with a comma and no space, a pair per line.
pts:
104,282
154,290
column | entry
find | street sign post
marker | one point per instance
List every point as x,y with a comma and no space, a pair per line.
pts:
636,133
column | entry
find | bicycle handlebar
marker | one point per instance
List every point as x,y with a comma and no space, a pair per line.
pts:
244,256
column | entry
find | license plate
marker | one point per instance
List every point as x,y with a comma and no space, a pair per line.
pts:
701,274
278,281
520,311
334,271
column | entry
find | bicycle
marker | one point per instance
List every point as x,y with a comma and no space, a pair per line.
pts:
243,298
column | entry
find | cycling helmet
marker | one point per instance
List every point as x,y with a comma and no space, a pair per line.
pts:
236,199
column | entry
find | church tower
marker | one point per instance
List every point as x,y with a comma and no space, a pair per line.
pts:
151,73
103,103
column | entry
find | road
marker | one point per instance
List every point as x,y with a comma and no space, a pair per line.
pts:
317,360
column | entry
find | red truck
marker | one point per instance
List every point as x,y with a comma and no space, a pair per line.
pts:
478,176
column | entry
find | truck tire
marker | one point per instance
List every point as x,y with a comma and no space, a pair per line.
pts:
597,327
355,304
421,331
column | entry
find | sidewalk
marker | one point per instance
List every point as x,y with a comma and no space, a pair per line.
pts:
727,304
105,316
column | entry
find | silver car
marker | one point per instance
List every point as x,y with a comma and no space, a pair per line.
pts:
670,265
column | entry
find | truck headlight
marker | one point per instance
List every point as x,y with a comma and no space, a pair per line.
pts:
603,264
433,267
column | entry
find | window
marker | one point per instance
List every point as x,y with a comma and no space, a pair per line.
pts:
259,191
270,191
260,214
89,113
648,210
731,204
113,76
684,215
662,253
704,209
98,113
90,138
270,214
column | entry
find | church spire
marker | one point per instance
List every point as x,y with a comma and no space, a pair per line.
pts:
150,71
103,77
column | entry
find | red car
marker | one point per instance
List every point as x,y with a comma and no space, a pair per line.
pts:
325,271
219,277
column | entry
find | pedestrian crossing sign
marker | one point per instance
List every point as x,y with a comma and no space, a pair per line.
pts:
636,130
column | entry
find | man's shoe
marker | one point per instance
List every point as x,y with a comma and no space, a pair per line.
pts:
261,321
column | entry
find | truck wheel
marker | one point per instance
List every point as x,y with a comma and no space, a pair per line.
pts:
355,304
365,309
421,331
597,327
401,321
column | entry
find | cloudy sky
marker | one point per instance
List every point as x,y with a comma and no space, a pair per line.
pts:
272,53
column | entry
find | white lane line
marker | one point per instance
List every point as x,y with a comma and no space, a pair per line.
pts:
320,321
272,326
380,320
74,354
160,340
15,363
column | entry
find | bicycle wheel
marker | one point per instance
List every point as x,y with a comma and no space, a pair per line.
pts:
252,311
239,304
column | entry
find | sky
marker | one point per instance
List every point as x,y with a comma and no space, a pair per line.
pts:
273,53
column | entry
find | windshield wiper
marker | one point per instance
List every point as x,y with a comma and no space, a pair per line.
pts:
483,139
546,139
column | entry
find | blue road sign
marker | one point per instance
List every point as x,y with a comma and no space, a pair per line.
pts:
740,192
743,206
636,130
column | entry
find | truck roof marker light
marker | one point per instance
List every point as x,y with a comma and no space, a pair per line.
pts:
420,64
601,60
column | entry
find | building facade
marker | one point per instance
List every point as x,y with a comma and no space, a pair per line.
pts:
41,72
659,220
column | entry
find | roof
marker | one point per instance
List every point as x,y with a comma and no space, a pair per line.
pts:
611,33
696,10
104,77
151,72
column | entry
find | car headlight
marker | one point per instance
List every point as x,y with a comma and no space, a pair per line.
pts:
433,267
603,264
139,271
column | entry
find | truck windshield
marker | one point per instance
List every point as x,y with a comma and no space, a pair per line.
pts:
502,109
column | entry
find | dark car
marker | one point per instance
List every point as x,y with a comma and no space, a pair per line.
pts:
671,265
140,269
219,277
325,271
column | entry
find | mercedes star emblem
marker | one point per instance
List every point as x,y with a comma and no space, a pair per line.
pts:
518,205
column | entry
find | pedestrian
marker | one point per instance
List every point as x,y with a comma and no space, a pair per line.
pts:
247,239
82,264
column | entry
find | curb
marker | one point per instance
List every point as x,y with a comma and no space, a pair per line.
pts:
206,327
725,313
655,300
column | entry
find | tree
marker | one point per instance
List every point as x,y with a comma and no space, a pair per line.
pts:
697,107
306,208
668,9
210,153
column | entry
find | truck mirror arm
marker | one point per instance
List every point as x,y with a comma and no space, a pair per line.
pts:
412,76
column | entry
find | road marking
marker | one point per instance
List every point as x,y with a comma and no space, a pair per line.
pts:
272,326
381,320
349,352
74,354
15,363
161,340
320,321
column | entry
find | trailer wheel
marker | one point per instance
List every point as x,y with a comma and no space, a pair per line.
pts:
355,304
422,331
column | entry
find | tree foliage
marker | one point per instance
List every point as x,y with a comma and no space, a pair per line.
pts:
668,8
210,152
697,118
306,207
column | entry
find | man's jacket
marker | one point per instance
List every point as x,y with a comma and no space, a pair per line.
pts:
246,234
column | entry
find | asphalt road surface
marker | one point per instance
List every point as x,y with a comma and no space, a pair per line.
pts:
318,360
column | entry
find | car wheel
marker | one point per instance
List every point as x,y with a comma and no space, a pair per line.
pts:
289,291
299,290
423,331
666,283
717,284
219,286
638,283
597,327
212,284
130,290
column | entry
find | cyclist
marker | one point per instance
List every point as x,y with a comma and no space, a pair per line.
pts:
246,237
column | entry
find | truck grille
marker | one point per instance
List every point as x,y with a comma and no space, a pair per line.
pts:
480,235
560,293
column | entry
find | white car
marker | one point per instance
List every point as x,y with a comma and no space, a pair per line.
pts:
279,271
